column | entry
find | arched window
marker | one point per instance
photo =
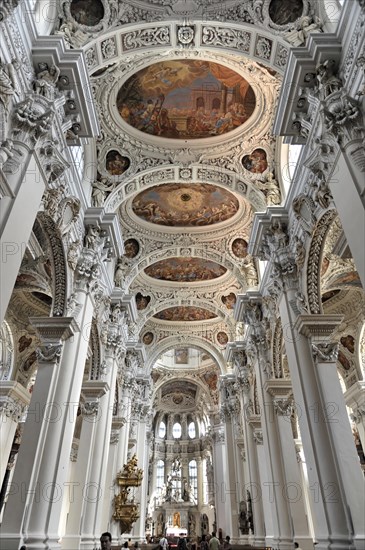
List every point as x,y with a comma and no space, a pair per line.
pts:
162,430
176,430
193,479
160,474
191,430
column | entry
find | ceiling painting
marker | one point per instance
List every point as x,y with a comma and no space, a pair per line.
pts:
255,162
230,300
283,12
87,12
147,338
186,99
185,205
185,270
142,301
239,248
222,338
115,164
348,342
131,248
179,386
185,313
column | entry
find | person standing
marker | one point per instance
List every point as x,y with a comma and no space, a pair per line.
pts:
214,542
163,543
106,541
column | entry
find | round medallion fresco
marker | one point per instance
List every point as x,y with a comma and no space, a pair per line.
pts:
230,300
185,270
256,162
115,164
131,248
222,338
185,313
239,248
185,205
87,12
147,338
186,99
283,12
142,301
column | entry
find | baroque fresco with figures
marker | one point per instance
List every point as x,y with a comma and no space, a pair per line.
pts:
185,313
190,205
186,99
185,270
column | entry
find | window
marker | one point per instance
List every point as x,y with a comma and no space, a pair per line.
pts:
160,474
191,430
162,430
193,479
176,430
77,153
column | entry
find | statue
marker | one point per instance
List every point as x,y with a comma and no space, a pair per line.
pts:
8,82
100,190
243,518
271,189
249,270
91,237
328,82
306,25
46,81
119,274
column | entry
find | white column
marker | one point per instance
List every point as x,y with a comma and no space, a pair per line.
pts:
293,489
24,206
112,469
331,410
141,493
91,522
275,480
254,485
230,490
33,511
91,393
350,205
222,503
14,398
355,399
264,490
329,510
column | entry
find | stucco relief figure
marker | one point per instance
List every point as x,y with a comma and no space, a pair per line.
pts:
328,81
249,271
100,189
46,81
302,30
119,274
243,518
8,82
271,189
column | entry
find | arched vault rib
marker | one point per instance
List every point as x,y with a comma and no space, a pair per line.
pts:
198,251
202,173
137,40
188,340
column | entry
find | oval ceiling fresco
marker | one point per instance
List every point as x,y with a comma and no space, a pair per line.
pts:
185,313
185,205
185,270
186,99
